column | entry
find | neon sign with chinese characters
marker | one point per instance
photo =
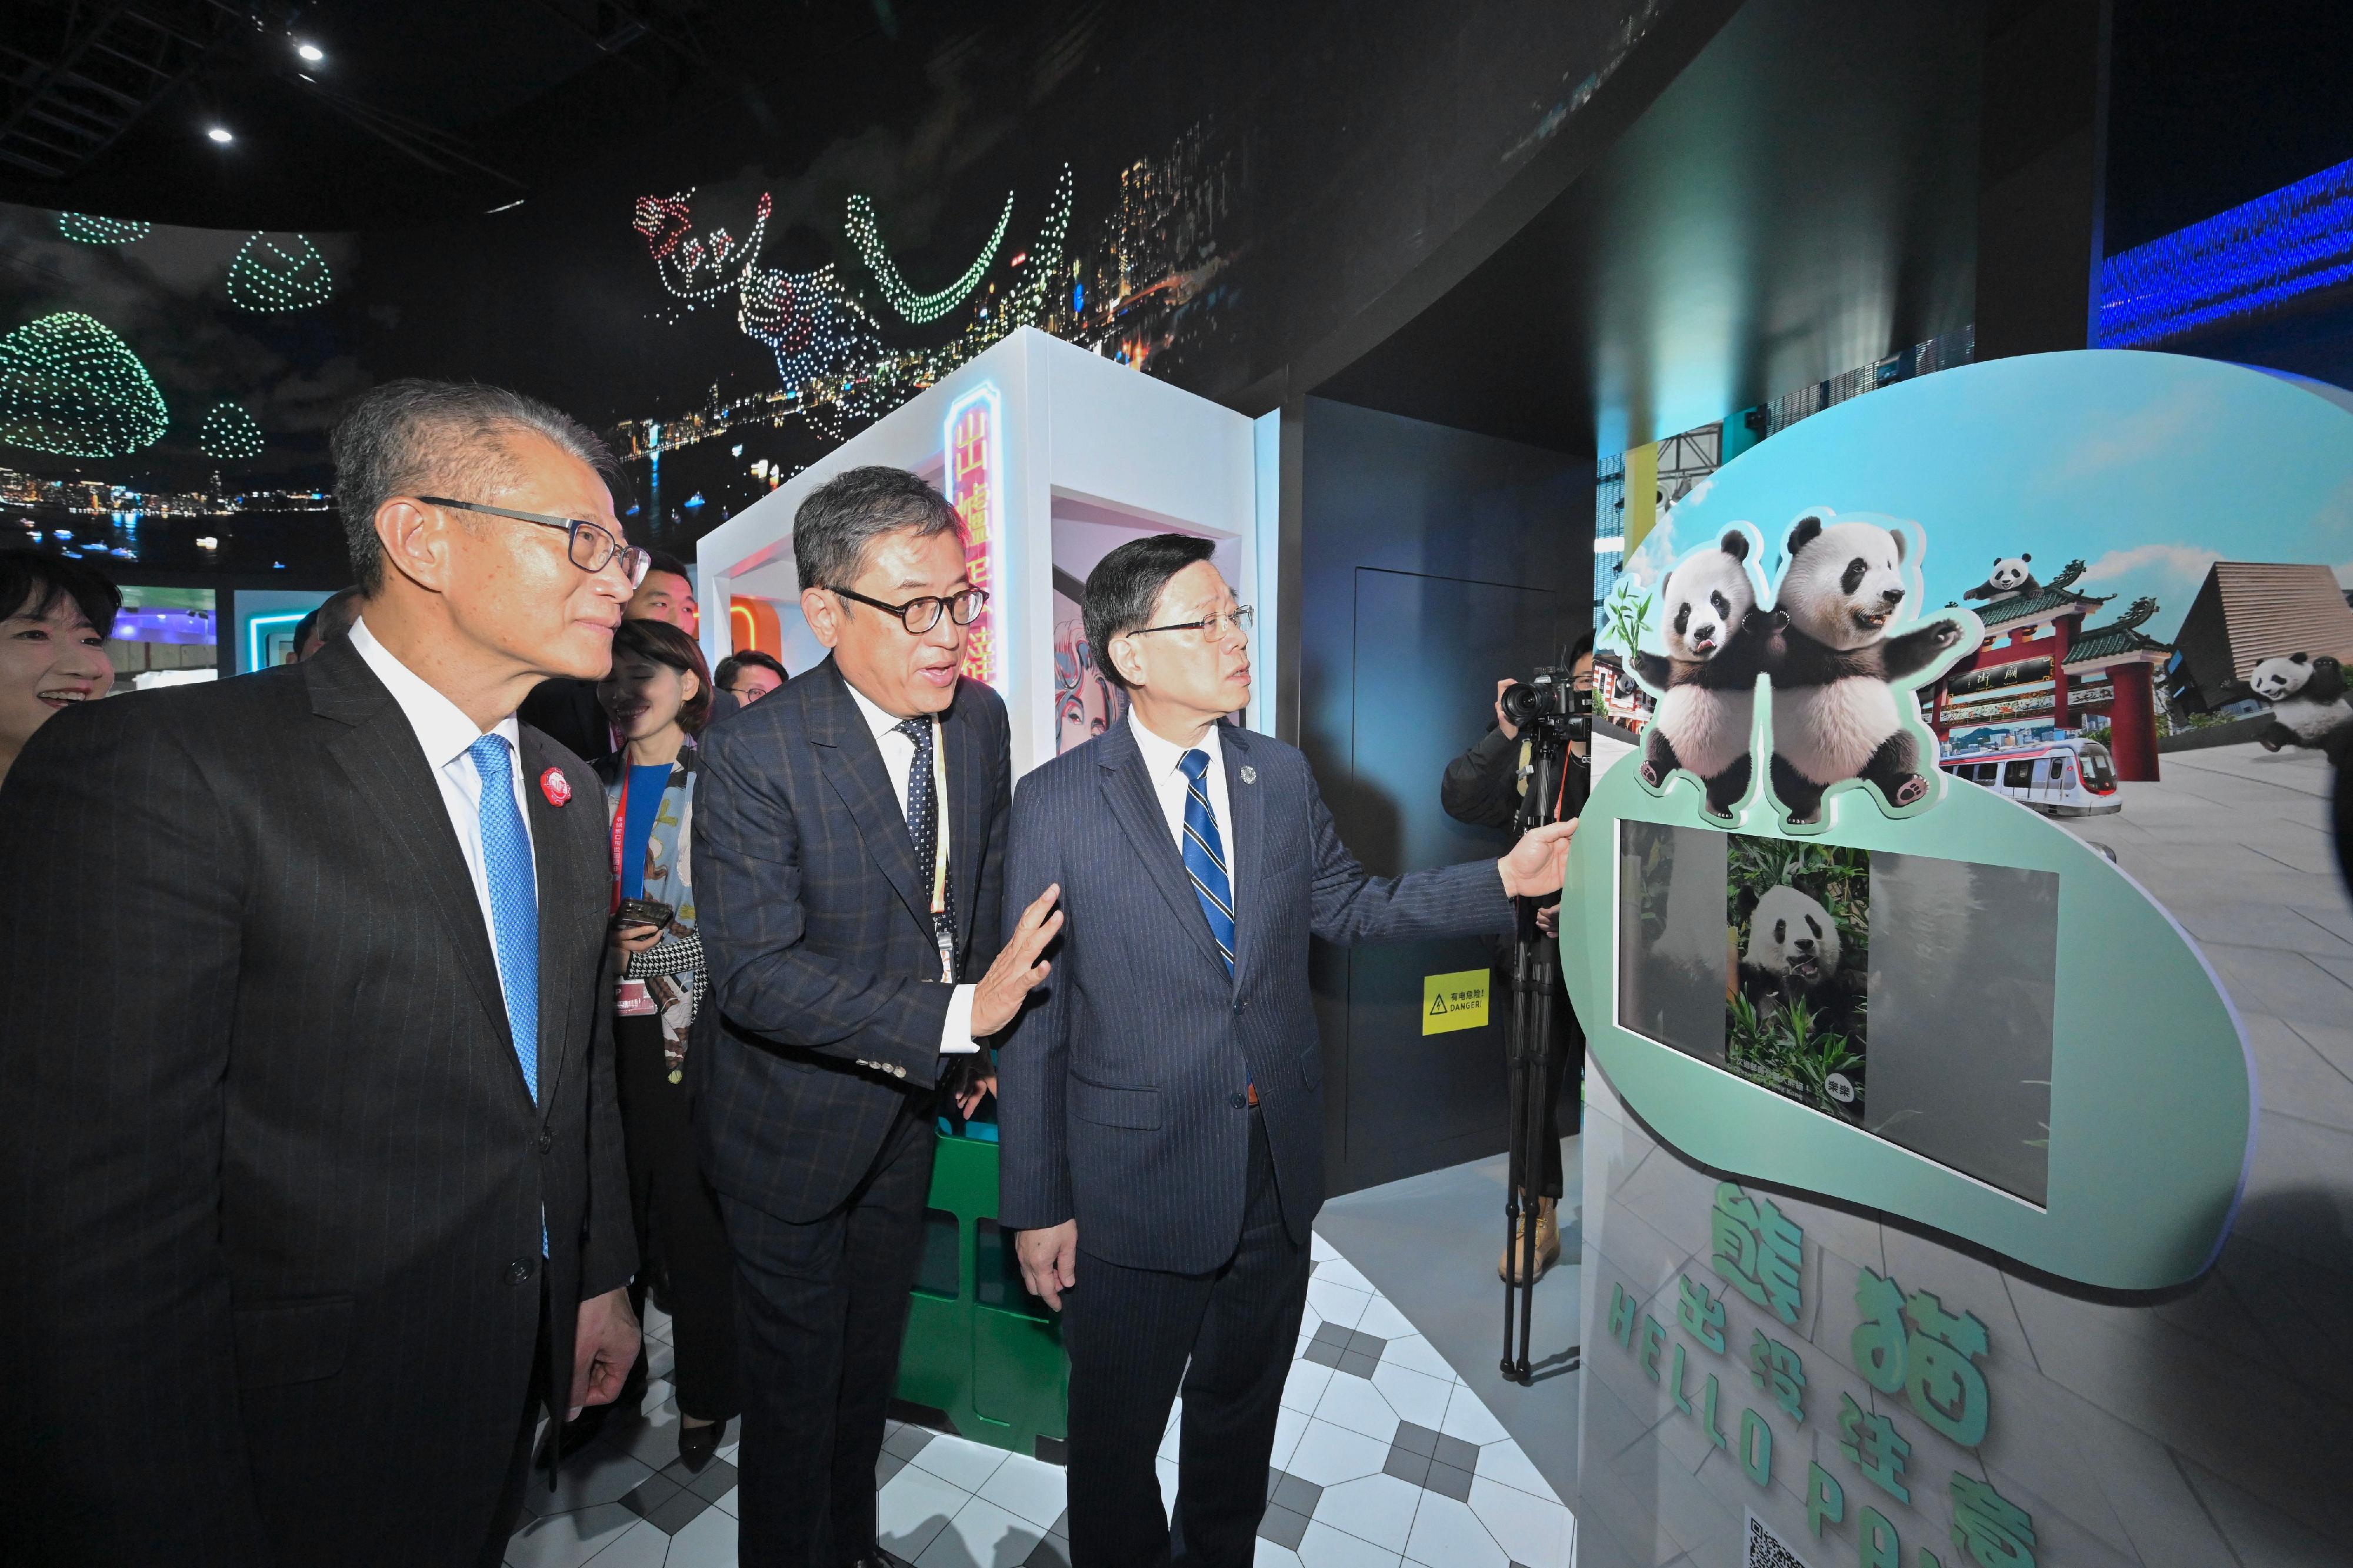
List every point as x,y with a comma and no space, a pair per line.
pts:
975,486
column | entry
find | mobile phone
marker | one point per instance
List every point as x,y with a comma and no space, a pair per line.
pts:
643,912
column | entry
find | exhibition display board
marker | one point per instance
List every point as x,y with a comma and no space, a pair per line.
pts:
1941,1202
1055,457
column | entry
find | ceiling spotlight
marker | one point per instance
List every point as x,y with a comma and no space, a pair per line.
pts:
310,52
220,134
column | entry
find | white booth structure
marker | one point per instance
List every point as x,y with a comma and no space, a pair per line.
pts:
1055,457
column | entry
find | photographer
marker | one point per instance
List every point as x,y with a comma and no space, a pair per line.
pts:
1483,788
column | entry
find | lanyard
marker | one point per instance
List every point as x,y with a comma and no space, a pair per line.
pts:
620,820
941,930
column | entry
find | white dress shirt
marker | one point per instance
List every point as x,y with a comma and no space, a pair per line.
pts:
1163,764
447,734
898,760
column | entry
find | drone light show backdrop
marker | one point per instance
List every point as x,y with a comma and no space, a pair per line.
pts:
1193,193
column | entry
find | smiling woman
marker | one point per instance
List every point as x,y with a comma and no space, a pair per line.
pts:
52,642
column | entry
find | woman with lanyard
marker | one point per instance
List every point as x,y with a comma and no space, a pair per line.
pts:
659,696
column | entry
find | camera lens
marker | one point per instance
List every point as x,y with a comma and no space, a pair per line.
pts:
1520,703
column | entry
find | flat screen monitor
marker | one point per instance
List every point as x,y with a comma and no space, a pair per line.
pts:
1906,995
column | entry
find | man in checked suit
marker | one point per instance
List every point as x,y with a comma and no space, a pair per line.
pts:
1162,1109
311,1186
848,852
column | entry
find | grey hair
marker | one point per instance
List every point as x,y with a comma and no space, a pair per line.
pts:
442,438
841,519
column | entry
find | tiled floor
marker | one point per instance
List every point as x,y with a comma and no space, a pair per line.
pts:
1383,1458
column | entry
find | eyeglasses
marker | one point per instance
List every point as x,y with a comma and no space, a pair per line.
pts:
590,545
1214,628
920,616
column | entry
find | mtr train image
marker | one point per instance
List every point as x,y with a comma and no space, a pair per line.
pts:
2057,772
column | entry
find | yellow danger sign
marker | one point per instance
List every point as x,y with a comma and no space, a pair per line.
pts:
1451,1002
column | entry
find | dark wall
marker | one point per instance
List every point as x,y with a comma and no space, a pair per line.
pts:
1432,563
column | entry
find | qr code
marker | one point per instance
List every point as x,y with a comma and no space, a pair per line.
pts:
1767,1550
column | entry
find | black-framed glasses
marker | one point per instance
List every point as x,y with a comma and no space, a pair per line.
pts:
1213,627
920,616
590,545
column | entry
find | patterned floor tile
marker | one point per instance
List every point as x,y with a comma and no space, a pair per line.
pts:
962,1464
1377,1508
982,1534
1418,1354
1354,1402
1504,1463
1380,1451
1328,1455
1531,1530
1028,1489
1471,1420
708,1542
1414,1396
1305,1385
567,1540
1446,1534
1338,1304
909,1513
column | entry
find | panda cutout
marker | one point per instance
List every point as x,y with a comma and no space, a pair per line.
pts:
1793,955
2307,698
2012,579
1831,659
1707,683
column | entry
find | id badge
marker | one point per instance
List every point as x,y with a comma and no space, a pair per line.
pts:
632,1000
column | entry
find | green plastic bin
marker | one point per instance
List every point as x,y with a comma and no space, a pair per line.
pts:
979,1347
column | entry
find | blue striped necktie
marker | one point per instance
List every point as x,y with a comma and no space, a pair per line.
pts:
1204,856
515,899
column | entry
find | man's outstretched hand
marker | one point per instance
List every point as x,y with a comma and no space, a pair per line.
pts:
1050,1260
1018,971
1538,862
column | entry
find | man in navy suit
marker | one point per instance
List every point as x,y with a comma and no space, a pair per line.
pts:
1161,1108
848,850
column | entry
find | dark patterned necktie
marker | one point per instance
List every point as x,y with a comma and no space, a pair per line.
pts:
924,827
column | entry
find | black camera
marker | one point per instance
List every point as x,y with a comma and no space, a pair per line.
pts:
1551,700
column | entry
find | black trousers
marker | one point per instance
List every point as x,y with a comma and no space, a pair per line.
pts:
677,1223
822,1309
1129,1332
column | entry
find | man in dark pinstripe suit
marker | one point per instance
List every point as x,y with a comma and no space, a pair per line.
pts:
849,844
303,1164
1162,1109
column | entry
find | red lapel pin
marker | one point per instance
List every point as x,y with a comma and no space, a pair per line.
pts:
555,786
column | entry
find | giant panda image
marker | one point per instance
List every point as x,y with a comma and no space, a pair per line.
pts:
1793,954
1707,683
2011,578
2307,700
1831,659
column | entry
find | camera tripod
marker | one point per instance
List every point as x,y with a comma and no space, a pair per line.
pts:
1535,977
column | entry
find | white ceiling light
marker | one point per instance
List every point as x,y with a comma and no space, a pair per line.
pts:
312,53
220,134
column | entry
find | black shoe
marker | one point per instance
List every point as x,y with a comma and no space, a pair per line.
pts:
696,1445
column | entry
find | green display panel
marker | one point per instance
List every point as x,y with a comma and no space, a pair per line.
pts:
2150,1098
1824,929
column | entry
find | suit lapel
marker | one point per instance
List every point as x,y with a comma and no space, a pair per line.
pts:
1249,841
1128,789
387,767
561,896
852,765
